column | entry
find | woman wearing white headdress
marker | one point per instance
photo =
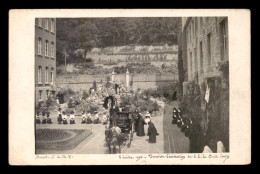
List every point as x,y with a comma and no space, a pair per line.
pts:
44,119
89,121
96,120
220,147
72,117
207,150
147,117
64,118
38,120
147,120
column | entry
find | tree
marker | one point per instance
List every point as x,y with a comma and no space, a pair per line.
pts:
86,33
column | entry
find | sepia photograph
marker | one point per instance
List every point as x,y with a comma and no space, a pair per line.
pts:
131,85
126,87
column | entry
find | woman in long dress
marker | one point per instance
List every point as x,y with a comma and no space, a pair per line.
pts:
140,126
152,132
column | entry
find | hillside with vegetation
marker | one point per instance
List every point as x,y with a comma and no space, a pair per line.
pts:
86,33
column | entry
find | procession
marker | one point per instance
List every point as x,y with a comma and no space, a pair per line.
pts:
115,85
120,121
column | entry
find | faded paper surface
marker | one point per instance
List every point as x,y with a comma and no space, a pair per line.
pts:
21,90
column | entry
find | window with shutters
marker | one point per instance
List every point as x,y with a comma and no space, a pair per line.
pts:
39,74
40,94
46,24
209,49
52,77
47,48
39,22
39,46
191,68
52,25
201,57
195,59
224,40
47,93
52,49
46,75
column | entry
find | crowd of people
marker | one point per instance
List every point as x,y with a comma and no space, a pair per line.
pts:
109,115
46,119
110,119
151,130
197,142
141,125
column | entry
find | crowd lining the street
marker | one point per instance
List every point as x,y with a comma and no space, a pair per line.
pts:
185,124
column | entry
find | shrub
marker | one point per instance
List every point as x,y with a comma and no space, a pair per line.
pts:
224,69
49,102
191,103
85,95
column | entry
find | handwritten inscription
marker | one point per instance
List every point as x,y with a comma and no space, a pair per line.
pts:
53,156
174,156
145,157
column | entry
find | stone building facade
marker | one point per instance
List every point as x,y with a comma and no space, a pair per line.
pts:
203,44
45,58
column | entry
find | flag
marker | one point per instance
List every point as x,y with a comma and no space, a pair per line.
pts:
207,94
